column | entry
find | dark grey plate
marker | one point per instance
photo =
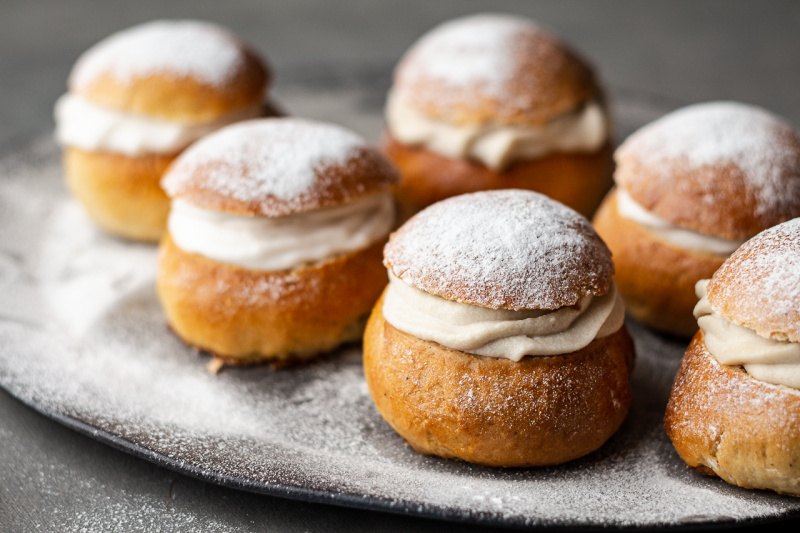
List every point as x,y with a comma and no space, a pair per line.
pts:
83,340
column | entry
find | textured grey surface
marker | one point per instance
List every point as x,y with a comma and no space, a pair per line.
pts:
56,480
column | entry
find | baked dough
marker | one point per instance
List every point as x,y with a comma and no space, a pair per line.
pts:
121,194
496,412
721,419
724,422
182,73
512,251
245,316
271,169
719,170
578,180
656,278
517,75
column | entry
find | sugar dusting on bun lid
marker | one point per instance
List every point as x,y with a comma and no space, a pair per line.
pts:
759,285
275,167
509,249
492,67
724,169
173,69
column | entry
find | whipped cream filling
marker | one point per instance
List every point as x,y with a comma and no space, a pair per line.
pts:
281,243
765,359
683,238
507,333
494,145
84,125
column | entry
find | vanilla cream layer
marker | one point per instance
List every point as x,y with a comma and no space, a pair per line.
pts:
507,333
494,145
686,239
765,359
281,243
82,124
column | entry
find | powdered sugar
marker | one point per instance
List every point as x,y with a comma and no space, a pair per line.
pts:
747,394
83,280
490,68
183,48
777,265
760,284
742,428
763,147
470,50
256,159
510,248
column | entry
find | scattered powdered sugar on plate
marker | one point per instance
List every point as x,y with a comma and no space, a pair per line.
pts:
81,280
510,248
184,48
307,432
253,160
760,144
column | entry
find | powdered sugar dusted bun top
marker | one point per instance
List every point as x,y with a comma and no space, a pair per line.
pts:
759,285
179,69
509,249
277,166
722,168
493,67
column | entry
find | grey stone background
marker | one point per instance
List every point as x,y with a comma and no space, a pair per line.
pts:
52,479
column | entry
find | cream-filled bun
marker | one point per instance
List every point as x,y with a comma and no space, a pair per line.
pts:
734,410
138,98
495,102
273,244
500,338
691,187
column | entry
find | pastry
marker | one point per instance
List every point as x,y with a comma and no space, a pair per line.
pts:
500,338
734,410
691,187
273,243
496,102
139,97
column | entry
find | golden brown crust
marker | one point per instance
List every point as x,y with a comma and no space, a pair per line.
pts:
365,172
547,79
722,421
578,180
182,98
121,193
504,249
497,412
655,279
741,175
759,285
248,316
734,215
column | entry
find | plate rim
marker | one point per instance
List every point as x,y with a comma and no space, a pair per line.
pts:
366,502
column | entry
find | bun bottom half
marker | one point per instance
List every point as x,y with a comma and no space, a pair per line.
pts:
655,279
122,194
578,180
724,422
246,316
497,412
